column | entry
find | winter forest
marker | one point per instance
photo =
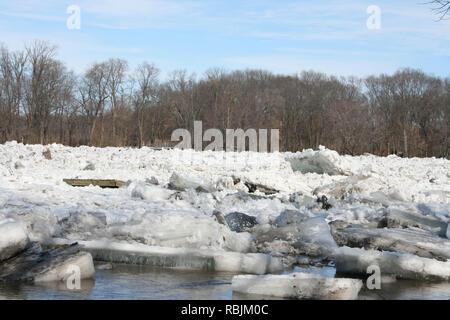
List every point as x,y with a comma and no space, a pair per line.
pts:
111,104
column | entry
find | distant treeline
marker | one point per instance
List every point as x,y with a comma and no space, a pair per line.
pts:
41,101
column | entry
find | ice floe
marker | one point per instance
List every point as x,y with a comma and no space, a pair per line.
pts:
298,286
179,258
37,264
422,244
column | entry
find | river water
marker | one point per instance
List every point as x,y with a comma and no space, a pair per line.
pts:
142,282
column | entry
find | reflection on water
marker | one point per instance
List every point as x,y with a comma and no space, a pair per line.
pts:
131,282
142,282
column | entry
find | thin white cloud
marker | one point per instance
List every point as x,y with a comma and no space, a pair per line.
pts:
343,52
34,16
142,8
111,14
336,28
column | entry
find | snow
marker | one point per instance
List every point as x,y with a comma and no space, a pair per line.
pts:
361,190
298,286
13,238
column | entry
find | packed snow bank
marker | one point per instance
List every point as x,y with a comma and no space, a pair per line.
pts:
401,265
13,238
180,258
147,211
298,286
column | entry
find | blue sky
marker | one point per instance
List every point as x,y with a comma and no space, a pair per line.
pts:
281,36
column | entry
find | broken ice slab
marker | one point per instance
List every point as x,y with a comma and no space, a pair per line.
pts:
13,238
422,244
61,268
55,264
396,218
253,187
298,286
311,237
342,188
316,230
355,261
180,258
322,161
181,183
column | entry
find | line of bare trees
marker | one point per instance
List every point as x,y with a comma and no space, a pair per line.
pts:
41,101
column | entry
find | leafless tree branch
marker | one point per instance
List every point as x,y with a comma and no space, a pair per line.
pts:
440,7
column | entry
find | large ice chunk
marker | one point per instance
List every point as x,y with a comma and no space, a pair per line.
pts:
321,161
80,263
57,263
298,286
343,188
181,258
427,245
396,218
316,230
169,228
310,237
289,217
179,182
254,263
149,192
315,238
401,265
13,238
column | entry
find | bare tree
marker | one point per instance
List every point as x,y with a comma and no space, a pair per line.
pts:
44,72
116,72
441,7
12,73
41,101
181,87
146,81
93,94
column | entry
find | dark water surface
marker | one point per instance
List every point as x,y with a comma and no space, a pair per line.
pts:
141,282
